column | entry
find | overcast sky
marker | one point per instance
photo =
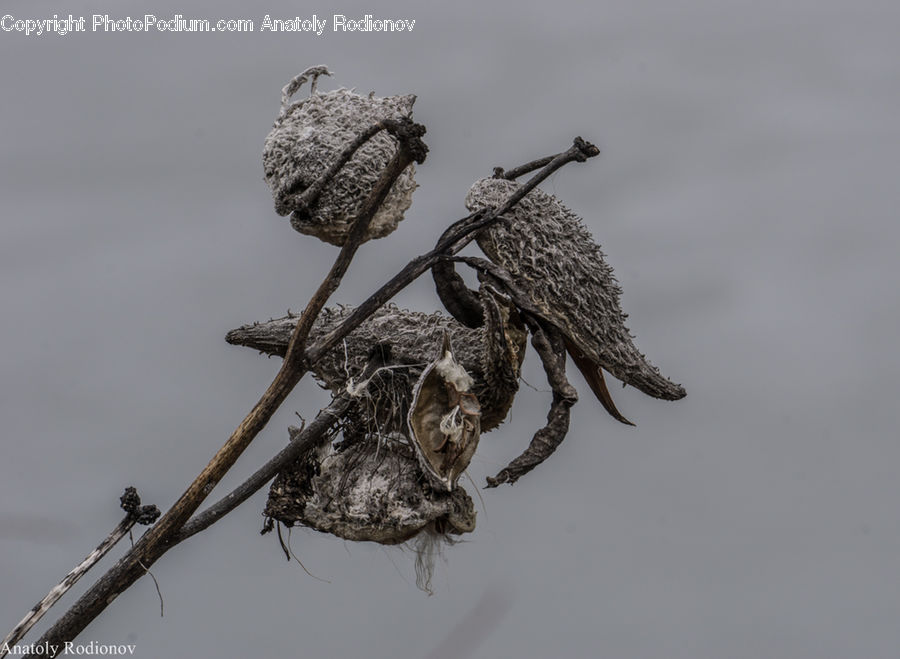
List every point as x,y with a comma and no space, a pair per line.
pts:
746,197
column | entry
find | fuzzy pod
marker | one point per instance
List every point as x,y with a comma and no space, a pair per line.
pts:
552,256
309,135
367,489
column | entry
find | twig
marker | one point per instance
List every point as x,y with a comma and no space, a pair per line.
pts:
461,234
500,277
165,534
137,514
459,301
580,151
411,148
158,539
302,441
521,170
310,195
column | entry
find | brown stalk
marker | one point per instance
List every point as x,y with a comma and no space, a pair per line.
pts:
172,528
161,537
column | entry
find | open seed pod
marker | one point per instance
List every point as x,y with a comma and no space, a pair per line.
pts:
363,489
444,419
307,138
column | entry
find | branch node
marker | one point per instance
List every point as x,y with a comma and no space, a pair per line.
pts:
409,134
585,148
131,504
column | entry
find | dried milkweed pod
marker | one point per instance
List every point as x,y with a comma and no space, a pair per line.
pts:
444,419
307,138
367,489
491,354
552,256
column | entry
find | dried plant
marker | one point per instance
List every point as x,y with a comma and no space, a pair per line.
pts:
548,251
412,391
367,489
492,354
309,135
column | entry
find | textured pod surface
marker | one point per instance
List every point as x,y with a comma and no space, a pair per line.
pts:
366,490
550,253
308,137
492,355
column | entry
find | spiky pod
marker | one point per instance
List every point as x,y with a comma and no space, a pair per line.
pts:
492,355
307,138
550,253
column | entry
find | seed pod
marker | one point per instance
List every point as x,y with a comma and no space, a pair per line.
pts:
309,135
553,257
491,354
367,489
444,419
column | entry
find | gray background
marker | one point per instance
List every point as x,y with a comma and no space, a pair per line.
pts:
746,196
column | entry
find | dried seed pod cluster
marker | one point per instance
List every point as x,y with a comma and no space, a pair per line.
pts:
550,253
308,137
413,426
418,389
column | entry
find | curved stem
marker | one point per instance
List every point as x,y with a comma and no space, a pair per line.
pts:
165,534
161,536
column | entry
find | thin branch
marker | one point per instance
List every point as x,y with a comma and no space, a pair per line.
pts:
411,148
137,514
310,195
159,538
312,435
521,170
165,534
461,234
500,277
580,151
